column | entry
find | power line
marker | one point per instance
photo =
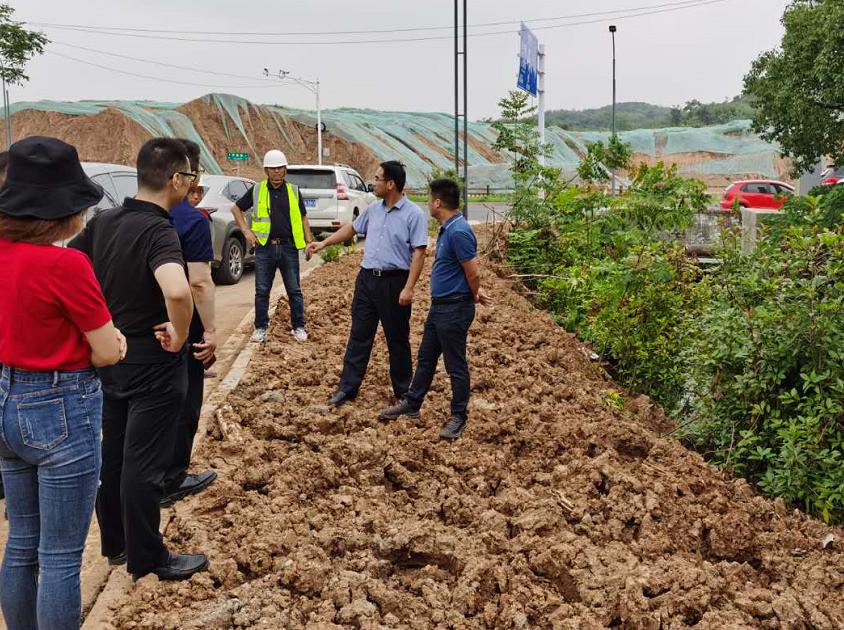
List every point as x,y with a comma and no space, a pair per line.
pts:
161,63
690,4
154,78
364,31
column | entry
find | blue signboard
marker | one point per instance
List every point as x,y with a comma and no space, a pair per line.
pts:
528,61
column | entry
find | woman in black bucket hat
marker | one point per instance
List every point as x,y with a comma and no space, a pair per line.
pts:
54,329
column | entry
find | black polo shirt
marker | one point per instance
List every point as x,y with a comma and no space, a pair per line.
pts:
279,211
127,244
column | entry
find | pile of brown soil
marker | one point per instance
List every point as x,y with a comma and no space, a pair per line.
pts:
105,137
266,131
115,138
558,508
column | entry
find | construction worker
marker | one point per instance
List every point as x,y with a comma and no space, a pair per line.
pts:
279,231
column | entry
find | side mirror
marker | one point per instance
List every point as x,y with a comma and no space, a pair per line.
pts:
370,188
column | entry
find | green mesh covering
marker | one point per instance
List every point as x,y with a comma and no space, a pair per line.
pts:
424,141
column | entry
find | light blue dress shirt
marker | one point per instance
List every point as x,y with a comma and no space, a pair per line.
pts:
392,234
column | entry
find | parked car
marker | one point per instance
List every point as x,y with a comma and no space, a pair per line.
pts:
757,193
231,252
832,175
333,194
118,182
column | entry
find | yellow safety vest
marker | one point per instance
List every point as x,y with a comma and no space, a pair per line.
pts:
261,222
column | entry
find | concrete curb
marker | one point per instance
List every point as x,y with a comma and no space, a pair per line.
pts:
233,361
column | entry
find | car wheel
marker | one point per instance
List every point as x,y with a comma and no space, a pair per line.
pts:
354,239
230,270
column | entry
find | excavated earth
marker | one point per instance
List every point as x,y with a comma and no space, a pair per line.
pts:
562,506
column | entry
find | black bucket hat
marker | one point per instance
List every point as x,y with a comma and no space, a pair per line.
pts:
45,180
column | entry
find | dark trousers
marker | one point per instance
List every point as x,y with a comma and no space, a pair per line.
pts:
446,329
285,258
141,405
189,415
376,300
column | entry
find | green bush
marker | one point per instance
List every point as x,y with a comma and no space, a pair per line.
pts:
332,253
767,364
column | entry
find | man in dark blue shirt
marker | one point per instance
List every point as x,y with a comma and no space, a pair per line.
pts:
455,287
194,232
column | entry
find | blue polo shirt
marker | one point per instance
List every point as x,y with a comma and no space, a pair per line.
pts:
194,233
455,245
392,234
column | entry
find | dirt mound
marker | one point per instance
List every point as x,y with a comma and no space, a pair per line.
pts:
266,131
105,137
111,136
556,509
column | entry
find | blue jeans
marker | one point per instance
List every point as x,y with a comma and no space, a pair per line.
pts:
285,258
50,457
446,329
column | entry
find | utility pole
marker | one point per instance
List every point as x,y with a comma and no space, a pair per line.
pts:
612,32
313,87
541,113
457,54
6,105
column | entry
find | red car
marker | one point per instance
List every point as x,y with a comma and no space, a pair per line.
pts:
832,175
757,193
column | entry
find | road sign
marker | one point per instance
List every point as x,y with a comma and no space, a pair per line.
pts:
528,58
237,157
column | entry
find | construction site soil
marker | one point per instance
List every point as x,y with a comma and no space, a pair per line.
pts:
559,507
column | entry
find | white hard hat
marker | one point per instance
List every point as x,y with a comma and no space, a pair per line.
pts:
274,158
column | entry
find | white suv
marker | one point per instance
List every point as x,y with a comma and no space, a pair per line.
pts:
333,194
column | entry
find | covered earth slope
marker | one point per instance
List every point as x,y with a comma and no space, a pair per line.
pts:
556,509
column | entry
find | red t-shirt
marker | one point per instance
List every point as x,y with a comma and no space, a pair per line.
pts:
49,296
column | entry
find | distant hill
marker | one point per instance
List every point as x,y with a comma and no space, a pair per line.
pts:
633,115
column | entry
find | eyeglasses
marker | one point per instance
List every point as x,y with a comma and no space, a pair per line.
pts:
190,176
382,179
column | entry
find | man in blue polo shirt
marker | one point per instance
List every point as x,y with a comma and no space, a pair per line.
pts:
455,287
194,231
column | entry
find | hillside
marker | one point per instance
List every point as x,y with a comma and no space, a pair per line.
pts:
635,115
113,131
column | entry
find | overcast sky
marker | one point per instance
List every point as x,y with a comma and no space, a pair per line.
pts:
665,58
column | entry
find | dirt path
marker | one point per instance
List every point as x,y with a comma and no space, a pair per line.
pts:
556,509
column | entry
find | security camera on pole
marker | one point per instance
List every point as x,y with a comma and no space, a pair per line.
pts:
313,86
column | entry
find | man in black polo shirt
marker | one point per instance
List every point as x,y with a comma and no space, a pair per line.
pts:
138,262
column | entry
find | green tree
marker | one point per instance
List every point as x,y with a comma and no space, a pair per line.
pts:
799,88
601,160
17,46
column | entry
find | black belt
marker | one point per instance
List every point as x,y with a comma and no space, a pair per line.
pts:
379,273
453,298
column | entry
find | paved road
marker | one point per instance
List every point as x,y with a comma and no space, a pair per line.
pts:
486,212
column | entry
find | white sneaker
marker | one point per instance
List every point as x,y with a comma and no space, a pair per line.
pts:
300,334
259,335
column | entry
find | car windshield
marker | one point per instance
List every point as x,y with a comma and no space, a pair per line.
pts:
312,178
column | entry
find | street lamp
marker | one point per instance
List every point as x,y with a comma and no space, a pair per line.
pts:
613,29
313,86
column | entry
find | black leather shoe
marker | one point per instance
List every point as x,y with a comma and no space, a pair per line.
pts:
403,408
453,429
116,561
179,566
339,398
191,485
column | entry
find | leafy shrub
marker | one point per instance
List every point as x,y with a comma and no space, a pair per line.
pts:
767,361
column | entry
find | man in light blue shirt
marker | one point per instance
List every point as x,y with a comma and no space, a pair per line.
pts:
396,232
